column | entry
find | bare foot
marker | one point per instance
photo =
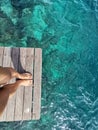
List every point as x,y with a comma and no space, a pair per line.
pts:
26,82
25,76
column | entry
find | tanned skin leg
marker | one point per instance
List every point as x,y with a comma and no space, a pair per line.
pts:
6,74
8,90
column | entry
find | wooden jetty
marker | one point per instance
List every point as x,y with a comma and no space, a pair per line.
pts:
26,103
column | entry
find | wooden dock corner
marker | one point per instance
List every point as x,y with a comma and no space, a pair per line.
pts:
26,103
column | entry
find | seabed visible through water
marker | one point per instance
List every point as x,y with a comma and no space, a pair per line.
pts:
67,31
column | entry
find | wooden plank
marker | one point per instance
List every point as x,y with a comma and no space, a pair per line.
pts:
11,103
1,55
37,84
6,63
28,90
20,91
1,64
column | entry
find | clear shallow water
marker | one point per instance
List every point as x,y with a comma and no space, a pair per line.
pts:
67,31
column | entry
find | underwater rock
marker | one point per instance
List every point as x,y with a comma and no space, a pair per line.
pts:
91,4
7,11
34,22
21,4
7,30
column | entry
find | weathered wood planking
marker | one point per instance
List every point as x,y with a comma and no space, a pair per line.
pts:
26,103
37,84
20,91
5,62
11,103
1,56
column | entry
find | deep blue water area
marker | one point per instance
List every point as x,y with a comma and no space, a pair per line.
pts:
67,31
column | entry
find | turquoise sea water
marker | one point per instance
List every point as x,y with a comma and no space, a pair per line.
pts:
67,31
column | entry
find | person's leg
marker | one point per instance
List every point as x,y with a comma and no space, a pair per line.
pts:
15,74
7,73
8,90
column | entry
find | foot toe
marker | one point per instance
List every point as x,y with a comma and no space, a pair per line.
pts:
26,76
